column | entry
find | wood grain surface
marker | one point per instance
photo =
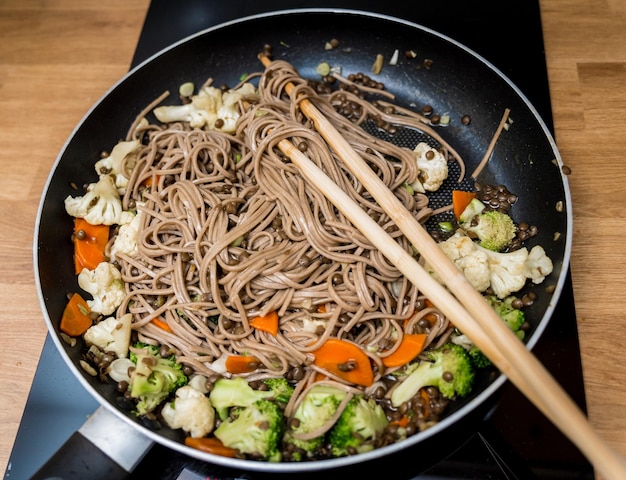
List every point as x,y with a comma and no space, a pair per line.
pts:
60,56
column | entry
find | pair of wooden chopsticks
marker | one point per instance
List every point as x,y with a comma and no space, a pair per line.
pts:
461,302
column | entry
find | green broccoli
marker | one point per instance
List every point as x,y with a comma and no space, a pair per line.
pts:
494,230
361,421
478,358
449,369
513,317
236,392
153,378
310,421
255,430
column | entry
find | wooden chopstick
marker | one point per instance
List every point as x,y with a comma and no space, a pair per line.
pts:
474,317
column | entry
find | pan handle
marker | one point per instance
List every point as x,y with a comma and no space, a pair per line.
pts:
104,448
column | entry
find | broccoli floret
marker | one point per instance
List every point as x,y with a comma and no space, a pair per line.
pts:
255,430
310,421
513,317
236,392
153,378
449,369
495,230
279,388
361,421
478,358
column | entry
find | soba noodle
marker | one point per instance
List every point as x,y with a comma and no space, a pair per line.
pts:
230,231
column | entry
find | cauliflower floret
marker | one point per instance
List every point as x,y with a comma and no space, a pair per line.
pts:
505,273
105,285
206,107
126,239
101,205
118,369
199,382
121,161
192,411
538,265
310,324
111,335
473,263
432,166
219,365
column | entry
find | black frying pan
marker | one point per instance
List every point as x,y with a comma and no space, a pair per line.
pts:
458,82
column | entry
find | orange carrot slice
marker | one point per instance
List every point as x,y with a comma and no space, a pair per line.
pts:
75,319
403,421
162,324
460,201
89,244
211,445
345,360
241,363
267,323
410,347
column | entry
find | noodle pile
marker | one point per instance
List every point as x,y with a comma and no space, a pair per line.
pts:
230,231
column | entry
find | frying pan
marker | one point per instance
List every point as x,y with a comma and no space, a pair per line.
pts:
456,81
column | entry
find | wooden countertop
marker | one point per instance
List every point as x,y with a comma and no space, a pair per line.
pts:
57,58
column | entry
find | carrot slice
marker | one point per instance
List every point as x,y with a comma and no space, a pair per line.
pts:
211,445
319,377
460,201
267,323
426,399
403,421
345,360
162,324
410,347
150,181
89,244
241,363
75,319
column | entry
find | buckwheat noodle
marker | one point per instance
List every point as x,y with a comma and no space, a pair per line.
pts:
230,231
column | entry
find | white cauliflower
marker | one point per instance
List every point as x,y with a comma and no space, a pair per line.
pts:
199,382
310,324
505,273
126,239
432,166
206,107
118,369
473,262
538,265
105,285
111,335
192,411
101,205
119,163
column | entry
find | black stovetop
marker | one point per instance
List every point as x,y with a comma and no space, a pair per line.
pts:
513,440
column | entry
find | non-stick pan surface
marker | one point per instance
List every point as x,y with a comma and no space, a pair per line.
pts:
455,81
